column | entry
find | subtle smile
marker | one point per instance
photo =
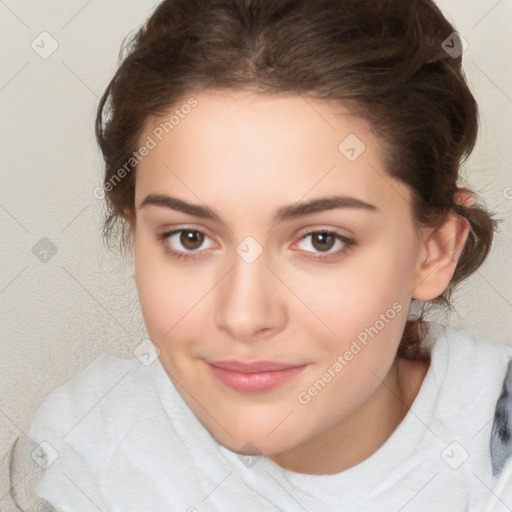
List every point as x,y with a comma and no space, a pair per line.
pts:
253,377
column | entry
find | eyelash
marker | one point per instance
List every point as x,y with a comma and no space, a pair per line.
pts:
347,244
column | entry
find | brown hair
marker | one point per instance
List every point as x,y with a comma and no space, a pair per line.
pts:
388,62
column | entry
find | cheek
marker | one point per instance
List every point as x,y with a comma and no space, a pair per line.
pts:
353,295
167,295
366,306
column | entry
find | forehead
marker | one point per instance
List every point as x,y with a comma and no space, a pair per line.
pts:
291,122
273,149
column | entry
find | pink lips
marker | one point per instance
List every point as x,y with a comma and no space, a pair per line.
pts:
253,377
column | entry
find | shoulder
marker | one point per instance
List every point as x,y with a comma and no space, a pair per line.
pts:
466,363
97,402
466,346
97,421
462,357
497,494
475,377
81,392
468,371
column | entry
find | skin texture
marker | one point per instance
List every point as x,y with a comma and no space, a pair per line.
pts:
245,156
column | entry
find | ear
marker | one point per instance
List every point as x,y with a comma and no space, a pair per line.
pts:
439,256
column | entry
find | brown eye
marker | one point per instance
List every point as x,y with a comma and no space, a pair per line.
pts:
322,241
191,240
185,243
325,245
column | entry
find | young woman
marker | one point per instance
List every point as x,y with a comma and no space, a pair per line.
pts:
286,174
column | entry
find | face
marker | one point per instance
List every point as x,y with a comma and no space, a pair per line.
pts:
240,259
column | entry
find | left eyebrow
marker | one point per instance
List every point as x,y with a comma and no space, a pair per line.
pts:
283,214
321,204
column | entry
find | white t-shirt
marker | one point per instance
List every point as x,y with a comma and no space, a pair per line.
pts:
126,441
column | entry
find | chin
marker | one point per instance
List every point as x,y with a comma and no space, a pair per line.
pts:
257,443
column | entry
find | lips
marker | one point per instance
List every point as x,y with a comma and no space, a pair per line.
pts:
253,377
254,367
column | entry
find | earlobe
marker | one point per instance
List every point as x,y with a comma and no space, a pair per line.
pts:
439,257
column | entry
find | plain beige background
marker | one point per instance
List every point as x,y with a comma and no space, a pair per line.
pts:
66,300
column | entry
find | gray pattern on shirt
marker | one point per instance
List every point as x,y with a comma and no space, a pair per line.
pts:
501,437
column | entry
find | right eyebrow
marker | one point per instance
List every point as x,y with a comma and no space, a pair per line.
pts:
173,203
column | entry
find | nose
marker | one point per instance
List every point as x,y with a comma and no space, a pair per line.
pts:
250,304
